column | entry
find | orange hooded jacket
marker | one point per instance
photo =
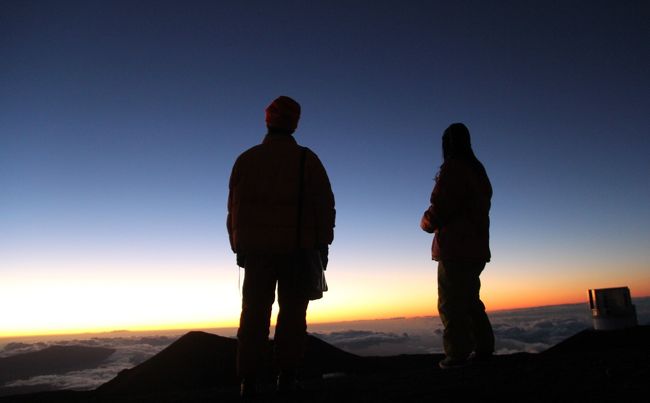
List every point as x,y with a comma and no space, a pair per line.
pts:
459,213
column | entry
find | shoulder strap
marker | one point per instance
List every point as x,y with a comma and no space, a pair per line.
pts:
300,191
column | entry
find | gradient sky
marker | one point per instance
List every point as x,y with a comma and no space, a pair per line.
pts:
120,122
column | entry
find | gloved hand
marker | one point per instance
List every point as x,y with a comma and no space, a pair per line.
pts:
241,260
426,224
324,252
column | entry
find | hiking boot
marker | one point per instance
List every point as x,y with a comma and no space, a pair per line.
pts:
449,363
480,357
249,389
287,383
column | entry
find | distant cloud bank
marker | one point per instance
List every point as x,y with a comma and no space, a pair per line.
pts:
530,330
129,352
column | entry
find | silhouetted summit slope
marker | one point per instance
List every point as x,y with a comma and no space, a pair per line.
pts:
591,366
595,341
51,360
196,360
322,358
608,365
203,360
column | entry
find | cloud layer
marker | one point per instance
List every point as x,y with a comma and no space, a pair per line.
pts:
524,330
130,351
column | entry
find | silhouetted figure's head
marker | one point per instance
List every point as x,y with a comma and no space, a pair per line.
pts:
282,115
456,143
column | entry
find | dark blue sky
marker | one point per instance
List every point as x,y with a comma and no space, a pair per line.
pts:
120,121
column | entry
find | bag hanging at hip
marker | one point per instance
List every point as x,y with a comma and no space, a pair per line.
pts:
308,270
309,274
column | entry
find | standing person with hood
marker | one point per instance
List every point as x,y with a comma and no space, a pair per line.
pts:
459,218
262,226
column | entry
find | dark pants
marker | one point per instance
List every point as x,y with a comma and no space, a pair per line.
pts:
467,327
262,272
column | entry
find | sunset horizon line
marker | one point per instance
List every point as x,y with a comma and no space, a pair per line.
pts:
207,326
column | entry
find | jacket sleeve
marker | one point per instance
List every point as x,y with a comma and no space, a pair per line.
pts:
427,222
446,198
323,201
231,207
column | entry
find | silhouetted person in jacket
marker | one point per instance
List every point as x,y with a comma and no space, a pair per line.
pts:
459,218
262,220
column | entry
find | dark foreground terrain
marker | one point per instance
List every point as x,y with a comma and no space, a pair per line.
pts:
199,367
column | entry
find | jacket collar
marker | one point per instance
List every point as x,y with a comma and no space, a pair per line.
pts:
278,138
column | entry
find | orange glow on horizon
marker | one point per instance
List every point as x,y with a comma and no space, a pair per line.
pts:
84,303
315,316
312,319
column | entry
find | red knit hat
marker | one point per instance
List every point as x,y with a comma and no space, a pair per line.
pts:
283,113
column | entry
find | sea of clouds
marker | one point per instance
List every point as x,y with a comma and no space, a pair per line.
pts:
129,352
530,330
523,330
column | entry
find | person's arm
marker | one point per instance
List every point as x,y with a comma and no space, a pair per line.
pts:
324,207
446,198
427,223
231,207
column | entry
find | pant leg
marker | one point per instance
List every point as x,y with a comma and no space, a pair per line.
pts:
453,307
291,327
257,301
481,326
462,312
